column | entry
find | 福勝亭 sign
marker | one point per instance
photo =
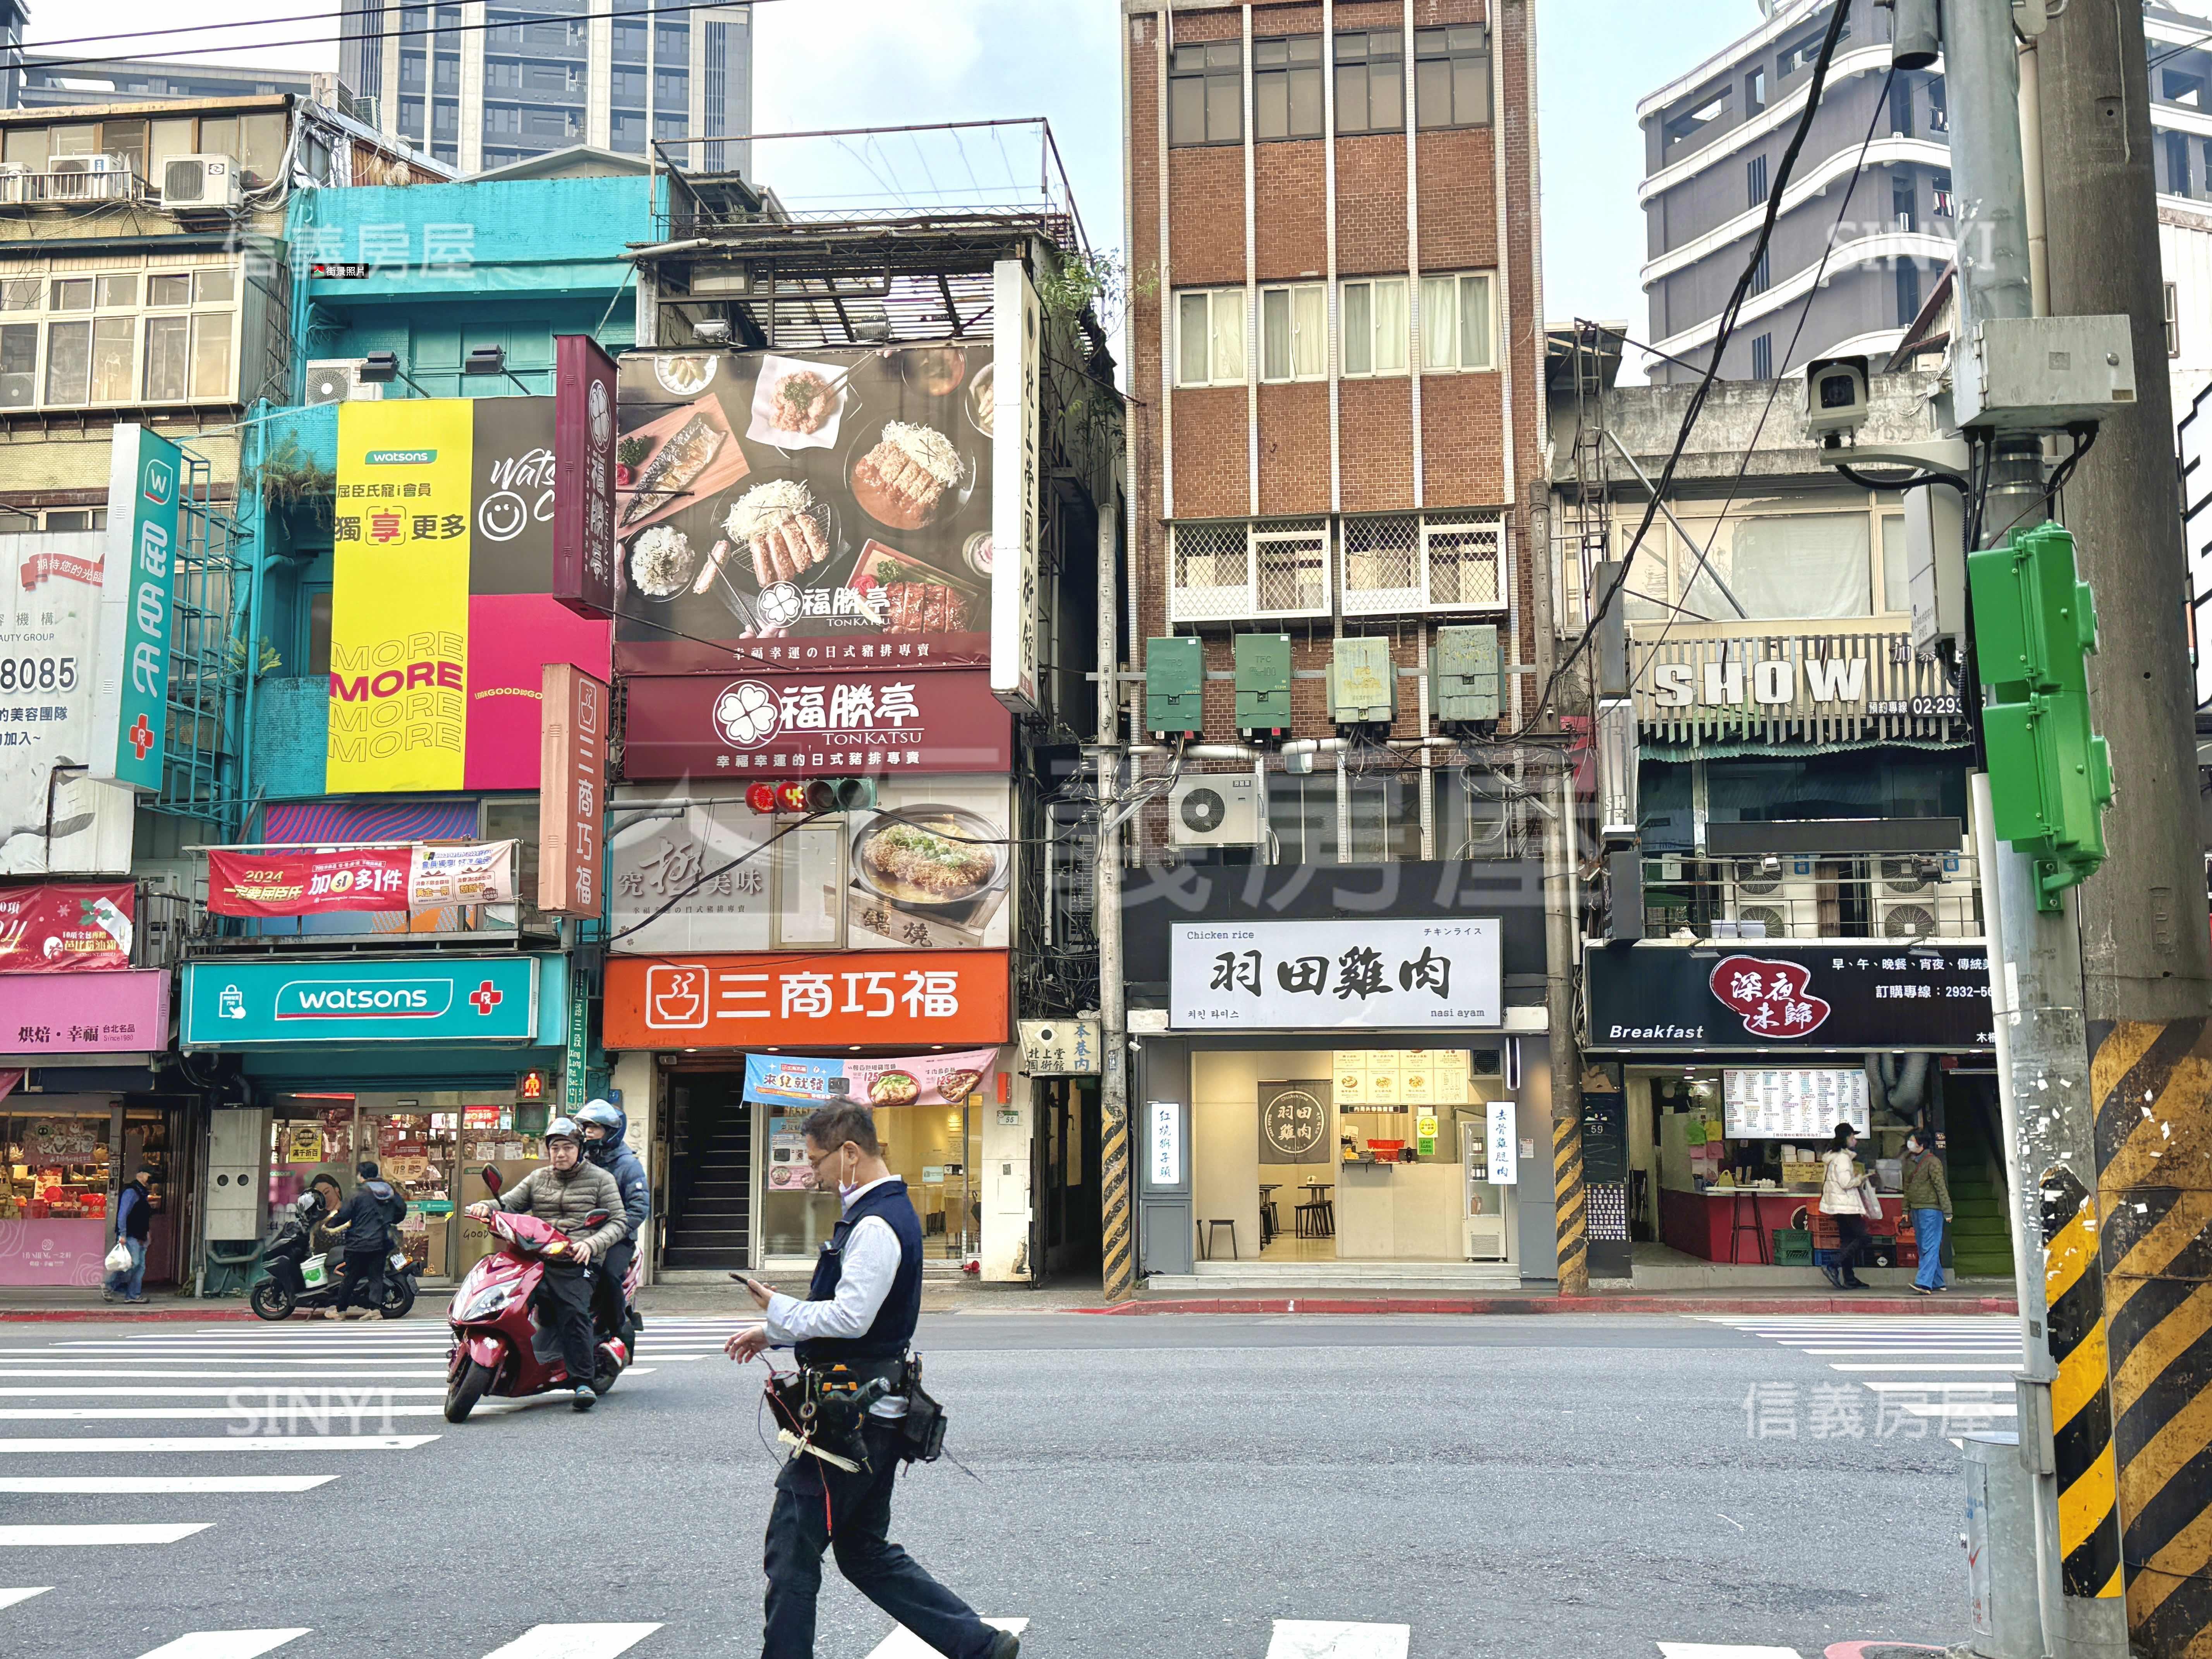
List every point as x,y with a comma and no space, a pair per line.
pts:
884,722
1383,974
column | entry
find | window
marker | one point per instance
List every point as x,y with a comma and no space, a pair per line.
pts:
19,365
117,292
1940,195
1762,274
20,293
1375,326
1939,107
1783,565
77,517
671,89
1294,332
1371,82
1691,122
630,43
1762,358
112,360
1805,52
1896,573
1908,292
172,289
167,342
1754,92
1206,93
1457,331
69,293
1301,817
1451,77
410,118
1286,88
211,356
1754,180
1904,204
1210,337
215,287
318,652
2177,163
2173,323
2180,87
1900,108
448,75
68,363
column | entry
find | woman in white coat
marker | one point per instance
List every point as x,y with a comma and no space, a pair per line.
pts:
1843,1198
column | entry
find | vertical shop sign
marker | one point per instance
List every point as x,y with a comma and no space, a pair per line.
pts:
584,471
1504,1165
131,702
575,1052
1017,361
1164,1128
572,780
399,608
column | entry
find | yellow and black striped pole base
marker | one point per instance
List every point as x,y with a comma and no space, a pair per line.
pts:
1571,1208
2152,1085
2081,1410
1117,1218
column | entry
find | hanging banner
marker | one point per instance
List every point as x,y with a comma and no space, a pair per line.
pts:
56,929
481,872
131,704
50,607
303,881
572,772
584,460
946,1079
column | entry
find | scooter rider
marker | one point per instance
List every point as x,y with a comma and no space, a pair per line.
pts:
565,1190
604,1124
859,1311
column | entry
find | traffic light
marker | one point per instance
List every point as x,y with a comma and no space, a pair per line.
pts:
800,795
2050,775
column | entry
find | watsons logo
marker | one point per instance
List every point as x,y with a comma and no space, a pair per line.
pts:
399,456
397,999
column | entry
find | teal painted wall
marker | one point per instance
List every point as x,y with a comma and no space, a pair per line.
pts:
291,731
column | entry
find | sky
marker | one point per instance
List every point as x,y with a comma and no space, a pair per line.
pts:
890,63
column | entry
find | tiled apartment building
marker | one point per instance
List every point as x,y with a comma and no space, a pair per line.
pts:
1334,335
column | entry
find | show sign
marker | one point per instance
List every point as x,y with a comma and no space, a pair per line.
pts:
1858,995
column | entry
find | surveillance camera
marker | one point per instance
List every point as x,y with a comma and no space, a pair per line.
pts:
1835,395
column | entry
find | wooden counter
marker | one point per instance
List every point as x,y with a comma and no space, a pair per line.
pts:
1399,1212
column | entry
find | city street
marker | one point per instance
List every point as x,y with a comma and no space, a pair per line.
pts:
1188,1487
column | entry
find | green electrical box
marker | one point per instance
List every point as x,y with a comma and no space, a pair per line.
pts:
1363,683
2050,774
1465,664
1175,686
1263,682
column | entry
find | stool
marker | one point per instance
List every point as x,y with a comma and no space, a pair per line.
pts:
1207,1235
1739,1223
1313,1218
1270,1224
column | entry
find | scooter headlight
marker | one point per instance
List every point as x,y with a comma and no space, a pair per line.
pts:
485,1304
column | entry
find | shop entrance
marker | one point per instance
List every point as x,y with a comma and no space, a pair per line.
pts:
416,1141
1067,1177
65,1159
708,1180
934,1150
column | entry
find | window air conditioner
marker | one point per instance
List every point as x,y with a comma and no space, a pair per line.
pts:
1923,895
337,381
88,179
203,183
1217,810
1771,898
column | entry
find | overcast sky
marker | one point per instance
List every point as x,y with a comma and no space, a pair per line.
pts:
890,62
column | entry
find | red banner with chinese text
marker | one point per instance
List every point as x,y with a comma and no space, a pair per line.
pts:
62,928
307,881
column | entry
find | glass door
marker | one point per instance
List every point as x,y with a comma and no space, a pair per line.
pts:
415,1141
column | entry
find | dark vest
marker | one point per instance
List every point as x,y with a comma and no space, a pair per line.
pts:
893,1330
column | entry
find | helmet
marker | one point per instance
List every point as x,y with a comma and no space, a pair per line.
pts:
563,1128
609,1120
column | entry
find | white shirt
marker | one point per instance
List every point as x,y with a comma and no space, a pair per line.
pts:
871,1262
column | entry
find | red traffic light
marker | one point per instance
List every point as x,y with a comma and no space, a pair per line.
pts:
760,797
792,798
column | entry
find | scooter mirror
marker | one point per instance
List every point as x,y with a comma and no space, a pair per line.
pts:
491,1181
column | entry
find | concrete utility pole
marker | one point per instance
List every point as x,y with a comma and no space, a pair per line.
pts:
2035,977
2144,937
1117,1230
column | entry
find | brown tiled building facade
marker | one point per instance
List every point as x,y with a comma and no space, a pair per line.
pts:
1335,333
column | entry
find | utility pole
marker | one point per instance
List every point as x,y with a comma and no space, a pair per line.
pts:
1117,1221
2035,977
2144,938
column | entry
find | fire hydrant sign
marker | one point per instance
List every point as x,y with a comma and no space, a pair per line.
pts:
1378,974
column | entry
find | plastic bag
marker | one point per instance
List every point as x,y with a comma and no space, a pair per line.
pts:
119,1259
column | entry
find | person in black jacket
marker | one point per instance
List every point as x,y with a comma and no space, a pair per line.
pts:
133,1225
366,1224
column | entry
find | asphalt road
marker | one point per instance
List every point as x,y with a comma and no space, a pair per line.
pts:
1163,1486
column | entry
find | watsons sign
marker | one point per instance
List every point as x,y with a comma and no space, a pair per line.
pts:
480,1000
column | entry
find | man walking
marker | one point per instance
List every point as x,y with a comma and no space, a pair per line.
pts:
133,1225
860,1312
364,1222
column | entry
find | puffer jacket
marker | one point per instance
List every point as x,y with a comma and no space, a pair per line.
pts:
1839,1190
565,1197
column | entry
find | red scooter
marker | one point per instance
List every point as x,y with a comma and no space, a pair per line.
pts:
499,1347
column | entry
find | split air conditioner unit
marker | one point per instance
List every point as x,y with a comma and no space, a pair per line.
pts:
1772,898
1217,810
337,381
202,183
88,179
14,183
1923,895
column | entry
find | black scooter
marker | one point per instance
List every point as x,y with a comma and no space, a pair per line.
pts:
298,1280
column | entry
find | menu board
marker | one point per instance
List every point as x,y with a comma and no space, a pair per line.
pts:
1401,1079
1796,1105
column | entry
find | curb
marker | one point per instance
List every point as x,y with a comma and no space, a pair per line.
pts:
120,1315
1563,1304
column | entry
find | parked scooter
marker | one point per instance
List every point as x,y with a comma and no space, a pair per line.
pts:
500,1348
299,1279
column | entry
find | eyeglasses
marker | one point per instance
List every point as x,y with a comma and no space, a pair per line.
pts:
815,1161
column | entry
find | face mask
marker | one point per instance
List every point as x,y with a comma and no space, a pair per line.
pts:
846,1189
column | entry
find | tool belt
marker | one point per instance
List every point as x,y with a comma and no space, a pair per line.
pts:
825,1407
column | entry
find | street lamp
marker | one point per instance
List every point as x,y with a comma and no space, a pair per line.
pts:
490,360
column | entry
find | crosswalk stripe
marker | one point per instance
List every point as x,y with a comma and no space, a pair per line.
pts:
67,1444
1720,1650
319,1374
574,1642
1950,1369
282,1408
73,1533
1329,1638
161,1485
904,1644
243,1390
10,1597
225,1643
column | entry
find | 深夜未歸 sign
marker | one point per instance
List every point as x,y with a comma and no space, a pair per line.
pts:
1879,994
1379,973
234,1004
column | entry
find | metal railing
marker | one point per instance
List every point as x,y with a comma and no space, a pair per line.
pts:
168,925
70,188
1892,896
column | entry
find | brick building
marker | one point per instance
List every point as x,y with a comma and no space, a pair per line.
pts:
1335,368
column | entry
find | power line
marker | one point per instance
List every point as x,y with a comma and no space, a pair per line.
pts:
1726,329
381,34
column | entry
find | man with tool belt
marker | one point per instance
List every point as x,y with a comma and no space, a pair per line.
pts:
860,1313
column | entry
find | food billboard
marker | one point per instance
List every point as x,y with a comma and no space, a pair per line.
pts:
790,510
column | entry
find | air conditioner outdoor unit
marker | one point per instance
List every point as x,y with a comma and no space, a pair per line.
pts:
337,381
88,179
1778,901
1923,895
1218,810
201,183
14,182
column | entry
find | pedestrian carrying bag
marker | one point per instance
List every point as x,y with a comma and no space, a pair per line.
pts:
119,1259
921,1431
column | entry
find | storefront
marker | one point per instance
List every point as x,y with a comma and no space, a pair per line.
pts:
413,1062
1736,1062
1323,1093
740,1046
79,1113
